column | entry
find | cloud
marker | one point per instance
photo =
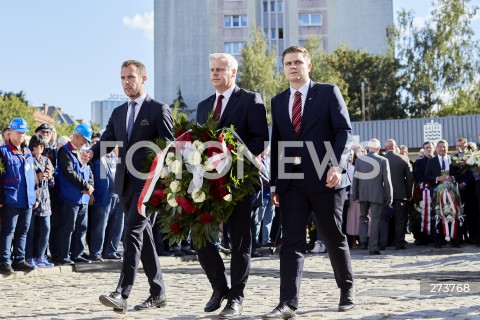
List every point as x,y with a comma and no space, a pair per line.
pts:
143,22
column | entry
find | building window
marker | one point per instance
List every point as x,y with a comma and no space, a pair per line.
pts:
235,21
280,5
273,34
272,6
280,33
310,19
234,47
265,6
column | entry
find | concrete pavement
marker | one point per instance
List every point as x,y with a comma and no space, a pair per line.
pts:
387,286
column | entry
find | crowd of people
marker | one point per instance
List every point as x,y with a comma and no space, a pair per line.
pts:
60,194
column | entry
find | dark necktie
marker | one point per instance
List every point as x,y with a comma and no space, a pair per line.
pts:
218,108
131,119
297,112
443,164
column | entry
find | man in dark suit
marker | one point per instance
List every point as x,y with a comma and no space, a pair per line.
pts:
421,163
372,187
311,126
131,125
244,110
402,183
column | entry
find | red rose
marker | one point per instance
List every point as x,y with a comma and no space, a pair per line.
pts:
155,201
179,133
205,136
184,136
175,228
206,218
217,189
229,147
160,194
186,204
220,137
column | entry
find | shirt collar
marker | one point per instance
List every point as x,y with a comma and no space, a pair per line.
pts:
303,89
226,95
140,99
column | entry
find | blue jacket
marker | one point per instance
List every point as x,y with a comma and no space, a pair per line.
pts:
18,180
72,179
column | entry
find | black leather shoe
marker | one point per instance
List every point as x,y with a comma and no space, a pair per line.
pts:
81,260
381,248
5,268
347,299
216,300
23,266
114,300
256,254
231,310
363,246
400,247
282,311
152,302
375,253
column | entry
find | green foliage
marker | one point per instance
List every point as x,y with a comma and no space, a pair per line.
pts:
257,72
179,106
439,59
348,68
13,106
95,126
64,129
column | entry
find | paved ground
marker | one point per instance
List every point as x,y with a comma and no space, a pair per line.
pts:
388,287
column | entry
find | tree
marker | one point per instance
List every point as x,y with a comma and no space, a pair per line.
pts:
440,59
96,127
14,105
257,72
179,106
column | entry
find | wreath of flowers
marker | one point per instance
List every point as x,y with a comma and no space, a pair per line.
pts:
199,182
448,208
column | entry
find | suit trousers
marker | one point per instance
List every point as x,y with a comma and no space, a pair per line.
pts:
138,245
241,243
400,221
296,205
376,211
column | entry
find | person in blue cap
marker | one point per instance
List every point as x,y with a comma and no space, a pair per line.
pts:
17,198
75,181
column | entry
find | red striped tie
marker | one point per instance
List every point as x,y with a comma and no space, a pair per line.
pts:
297,112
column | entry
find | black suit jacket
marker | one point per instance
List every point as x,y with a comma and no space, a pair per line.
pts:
325,119
246,112
402,176
154,120
432,171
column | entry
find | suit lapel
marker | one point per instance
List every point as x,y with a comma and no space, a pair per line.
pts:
234,98
123,122
308,108
284,113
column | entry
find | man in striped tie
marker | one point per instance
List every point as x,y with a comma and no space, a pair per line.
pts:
311,141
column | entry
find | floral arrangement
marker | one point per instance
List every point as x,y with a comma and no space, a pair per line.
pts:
468,160
194,183
448,207
422,204
2,168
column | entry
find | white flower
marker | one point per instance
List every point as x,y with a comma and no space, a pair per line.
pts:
175,186
471,161
207,166
169,158
199,145
195,158
176,167
171,200
164,172
198,195
228,197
